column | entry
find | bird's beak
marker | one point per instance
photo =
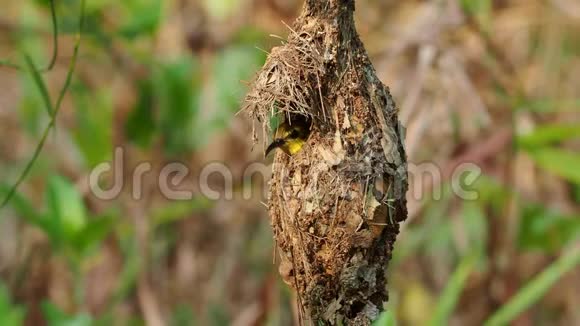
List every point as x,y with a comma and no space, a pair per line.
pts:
275,144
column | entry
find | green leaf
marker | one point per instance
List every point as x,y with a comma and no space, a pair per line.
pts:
560,162
142,18
140,126
535,289
233,66
453,290
93,129
387,318
56,317
10,314
66,209
549,134
275,121
178,86
492,193
93,234
542,229
40,85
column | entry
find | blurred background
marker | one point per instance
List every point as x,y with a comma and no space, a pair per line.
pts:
492,83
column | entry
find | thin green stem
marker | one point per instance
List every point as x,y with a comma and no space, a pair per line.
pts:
52,61
52,122
536,288
54,38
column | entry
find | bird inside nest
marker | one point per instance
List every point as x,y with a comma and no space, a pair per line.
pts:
291,135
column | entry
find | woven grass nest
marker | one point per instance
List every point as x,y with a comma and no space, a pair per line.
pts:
335,206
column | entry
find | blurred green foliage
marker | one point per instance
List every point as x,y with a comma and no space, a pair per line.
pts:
10,314
56,317
94,117
140,125
178,99
546,230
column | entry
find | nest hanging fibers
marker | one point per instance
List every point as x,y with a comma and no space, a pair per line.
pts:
336,205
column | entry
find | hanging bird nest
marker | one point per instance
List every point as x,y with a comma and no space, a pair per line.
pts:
336,205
